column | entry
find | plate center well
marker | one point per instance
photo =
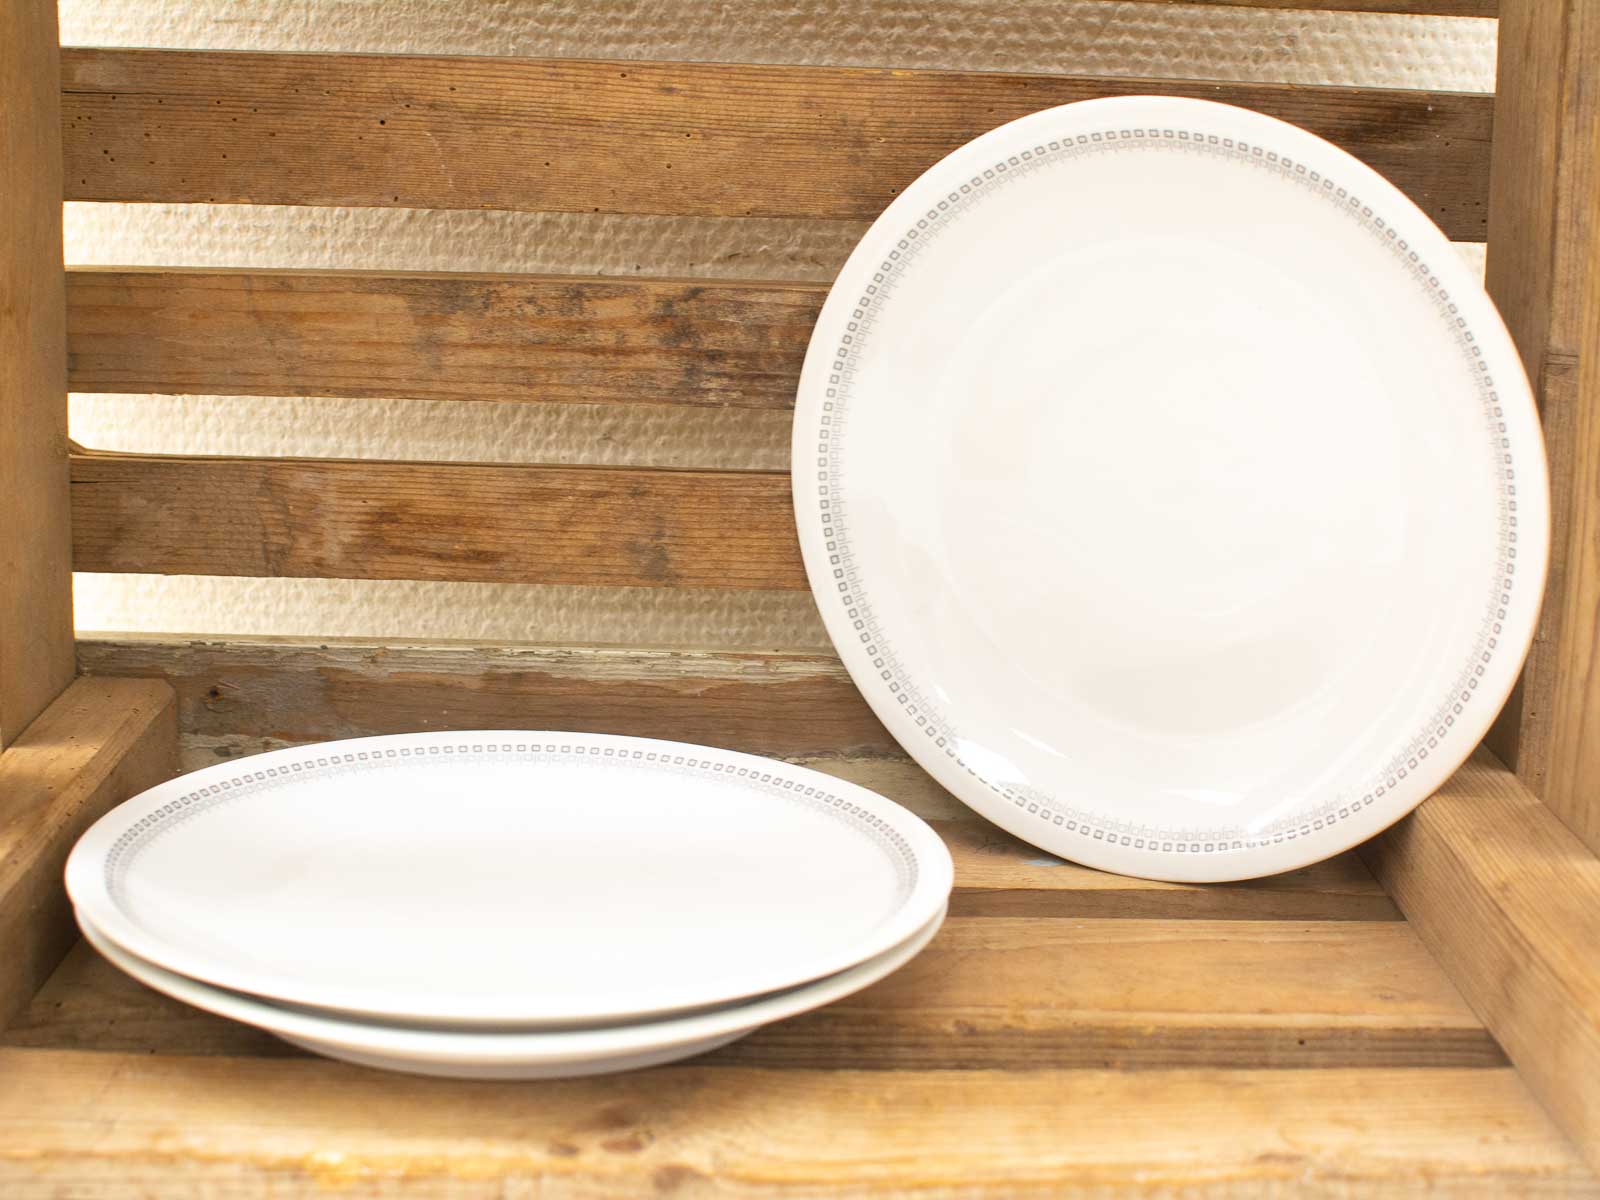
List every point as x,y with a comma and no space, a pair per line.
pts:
1166,485
1180,536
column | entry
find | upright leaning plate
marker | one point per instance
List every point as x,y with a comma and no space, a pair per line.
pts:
1171,488
517,879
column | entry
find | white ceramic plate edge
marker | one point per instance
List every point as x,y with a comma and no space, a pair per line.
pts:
1222,866
488,1050
85,882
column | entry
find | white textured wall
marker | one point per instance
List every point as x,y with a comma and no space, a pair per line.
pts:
1066,36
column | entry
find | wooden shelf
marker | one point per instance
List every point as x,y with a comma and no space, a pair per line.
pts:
1075,1053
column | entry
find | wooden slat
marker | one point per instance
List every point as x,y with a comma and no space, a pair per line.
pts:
1544,272
101,741
999,876
35,546
121,1126
327,518
1004,993
1425,8
1508,899
785,704
671,138
439,337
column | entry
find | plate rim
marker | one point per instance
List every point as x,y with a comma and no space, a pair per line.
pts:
511,1047
86,882
900,221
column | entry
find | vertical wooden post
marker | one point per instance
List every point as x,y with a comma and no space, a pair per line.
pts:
1544,272
36,654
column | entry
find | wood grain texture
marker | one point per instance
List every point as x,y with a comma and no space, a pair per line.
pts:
439,337
1433,8
1544,272
1014,993
670,138
1138,995
35,547
999,876
1508,899
783,704
347,519
101,741
120,1126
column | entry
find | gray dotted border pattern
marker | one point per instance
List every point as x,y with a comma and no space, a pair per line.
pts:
851,592
209,796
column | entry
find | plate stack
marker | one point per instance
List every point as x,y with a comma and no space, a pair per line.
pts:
509,904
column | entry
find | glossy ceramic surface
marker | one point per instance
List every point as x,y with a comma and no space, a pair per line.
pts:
508,878
1170,488
498,1054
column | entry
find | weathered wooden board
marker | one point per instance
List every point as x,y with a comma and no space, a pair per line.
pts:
35,546
785,704
1544,272
1508,899
1435,8
132,1125
999,876
708,343
691,138
348,519
1007,993
101,741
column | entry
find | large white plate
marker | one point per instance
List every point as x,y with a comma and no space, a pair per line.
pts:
507,877
499,1054
1171,488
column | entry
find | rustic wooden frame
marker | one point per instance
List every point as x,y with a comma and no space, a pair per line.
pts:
36,605
69,749
1497,874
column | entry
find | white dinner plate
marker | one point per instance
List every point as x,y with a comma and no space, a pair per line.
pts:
1171,488
508,878
498,1054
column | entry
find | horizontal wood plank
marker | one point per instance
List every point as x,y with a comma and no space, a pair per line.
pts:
347,519
99,742
1138,995
439,337
669,138
999,876
1017,993
125,1125
785,704
1421,8
1508,899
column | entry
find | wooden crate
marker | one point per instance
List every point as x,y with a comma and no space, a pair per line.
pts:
1421,1015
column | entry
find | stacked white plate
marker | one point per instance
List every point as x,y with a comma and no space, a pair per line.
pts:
509,904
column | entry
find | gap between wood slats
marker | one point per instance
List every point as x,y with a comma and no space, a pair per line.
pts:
439,337
639,137
433,521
